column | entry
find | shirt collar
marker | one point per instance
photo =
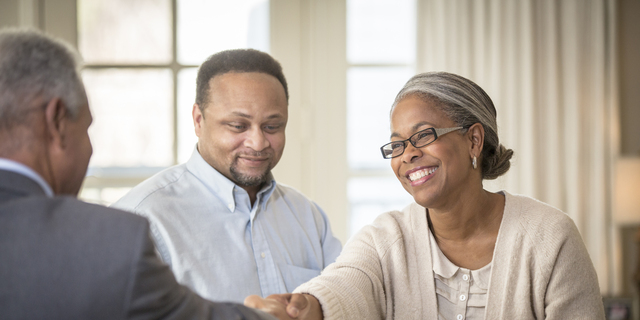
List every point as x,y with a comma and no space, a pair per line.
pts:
265,193
443,267
220,185
19,168
441,264
482,276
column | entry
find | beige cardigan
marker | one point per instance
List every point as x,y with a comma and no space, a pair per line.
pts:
541,269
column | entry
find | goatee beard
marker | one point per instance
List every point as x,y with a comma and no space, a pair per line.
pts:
244,180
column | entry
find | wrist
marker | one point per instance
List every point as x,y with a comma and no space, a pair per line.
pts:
315,310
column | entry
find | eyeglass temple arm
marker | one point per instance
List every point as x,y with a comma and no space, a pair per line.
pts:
441,131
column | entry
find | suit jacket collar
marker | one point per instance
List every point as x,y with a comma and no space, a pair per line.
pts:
19,184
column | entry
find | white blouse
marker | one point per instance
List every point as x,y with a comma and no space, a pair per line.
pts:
462,293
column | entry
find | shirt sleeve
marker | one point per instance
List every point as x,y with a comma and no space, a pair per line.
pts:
352,287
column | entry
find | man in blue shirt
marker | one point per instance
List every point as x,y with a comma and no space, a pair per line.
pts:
224,225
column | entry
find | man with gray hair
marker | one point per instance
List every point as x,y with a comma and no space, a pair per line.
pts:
61,258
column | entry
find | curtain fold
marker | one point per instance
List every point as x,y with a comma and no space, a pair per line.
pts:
548,67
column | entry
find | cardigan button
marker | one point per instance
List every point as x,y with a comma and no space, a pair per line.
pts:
463,297
460,317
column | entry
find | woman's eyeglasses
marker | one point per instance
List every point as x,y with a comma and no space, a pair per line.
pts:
418,140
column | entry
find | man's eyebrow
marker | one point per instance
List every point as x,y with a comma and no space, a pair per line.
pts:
248,116
413,129
242,115
275,116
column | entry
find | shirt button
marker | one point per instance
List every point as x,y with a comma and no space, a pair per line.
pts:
459,317
230,207
263,255
463,297
465,277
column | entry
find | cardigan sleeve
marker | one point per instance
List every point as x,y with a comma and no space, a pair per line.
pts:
353,286
573,291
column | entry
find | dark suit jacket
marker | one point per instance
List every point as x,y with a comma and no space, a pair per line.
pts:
61,258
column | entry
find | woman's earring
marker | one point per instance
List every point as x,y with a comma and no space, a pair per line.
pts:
474,163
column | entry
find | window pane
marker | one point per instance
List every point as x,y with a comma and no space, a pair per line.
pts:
104,196
381,31
124,31
371,196
186,98
206,27
132,116
370,93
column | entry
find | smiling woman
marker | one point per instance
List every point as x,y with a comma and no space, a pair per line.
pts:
459,251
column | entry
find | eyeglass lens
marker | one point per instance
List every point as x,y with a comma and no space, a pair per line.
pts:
418,139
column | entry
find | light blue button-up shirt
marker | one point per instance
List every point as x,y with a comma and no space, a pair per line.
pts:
219,245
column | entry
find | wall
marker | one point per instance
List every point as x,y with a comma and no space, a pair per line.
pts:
57,18
629,64
308,37
624,220
8,13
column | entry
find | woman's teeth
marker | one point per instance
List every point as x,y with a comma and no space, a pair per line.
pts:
421,173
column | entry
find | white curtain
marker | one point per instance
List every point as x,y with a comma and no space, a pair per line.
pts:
549,67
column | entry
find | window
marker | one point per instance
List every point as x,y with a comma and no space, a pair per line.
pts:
381,55
141,59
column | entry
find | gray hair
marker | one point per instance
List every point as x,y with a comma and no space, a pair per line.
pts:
35,67
465,103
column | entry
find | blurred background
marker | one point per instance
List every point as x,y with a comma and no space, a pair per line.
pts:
563,75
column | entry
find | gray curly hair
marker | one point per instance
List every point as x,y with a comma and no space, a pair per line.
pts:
36,67
465,103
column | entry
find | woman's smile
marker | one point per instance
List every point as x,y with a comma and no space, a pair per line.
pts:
420,175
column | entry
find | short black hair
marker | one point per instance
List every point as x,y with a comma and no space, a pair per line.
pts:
236,60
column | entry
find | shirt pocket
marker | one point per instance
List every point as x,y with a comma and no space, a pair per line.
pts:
294,276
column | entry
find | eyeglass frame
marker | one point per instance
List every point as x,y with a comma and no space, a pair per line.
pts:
437,132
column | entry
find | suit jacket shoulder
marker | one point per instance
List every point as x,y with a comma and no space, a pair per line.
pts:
66,259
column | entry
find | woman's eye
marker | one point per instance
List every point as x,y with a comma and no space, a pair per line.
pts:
397,145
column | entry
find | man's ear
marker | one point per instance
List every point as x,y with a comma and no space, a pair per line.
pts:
198,118
56,118
476,137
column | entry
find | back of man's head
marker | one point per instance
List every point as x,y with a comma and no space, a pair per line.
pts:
35,68
237,60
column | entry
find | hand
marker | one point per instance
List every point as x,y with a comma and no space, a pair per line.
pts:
271,306
287,306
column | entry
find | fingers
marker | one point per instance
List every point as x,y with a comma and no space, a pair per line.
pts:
282,298
270,306
254,301
297,303
287,306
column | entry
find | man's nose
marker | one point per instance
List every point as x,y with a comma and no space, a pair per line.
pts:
257,140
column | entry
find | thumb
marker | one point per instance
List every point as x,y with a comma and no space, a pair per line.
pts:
297,303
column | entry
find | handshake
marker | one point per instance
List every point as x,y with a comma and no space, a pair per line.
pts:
287,306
